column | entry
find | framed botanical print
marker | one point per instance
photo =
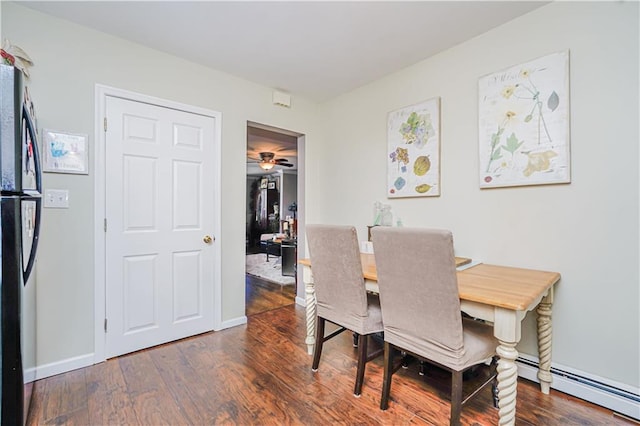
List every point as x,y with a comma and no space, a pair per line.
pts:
524,124
413,150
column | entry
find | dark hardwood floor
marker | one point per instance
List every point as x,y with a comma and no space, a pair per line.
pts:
261,374
262,296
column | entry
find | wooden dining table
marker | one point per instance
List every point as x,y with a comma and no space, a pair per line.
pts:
500,295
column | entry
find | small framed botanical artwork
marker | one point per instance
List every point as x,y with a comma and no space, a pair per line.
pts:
263,183
413,151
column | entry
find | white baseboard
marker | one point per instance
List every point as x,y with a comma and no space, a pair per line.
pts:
59,367
615,396
232,323
301,301
29,375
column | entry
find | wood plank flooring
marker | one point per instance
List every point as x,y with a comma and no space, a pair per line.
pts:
260,374
261,295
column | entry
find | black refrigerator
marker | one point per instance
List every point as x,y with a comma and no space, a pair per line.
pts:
20,212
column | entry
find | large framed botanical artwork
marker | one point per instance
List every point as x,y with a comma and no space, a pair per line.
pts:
524,124
413,150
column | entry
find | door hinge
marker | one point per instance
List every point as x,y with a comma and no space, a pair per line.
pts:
105,224
105,124
105,325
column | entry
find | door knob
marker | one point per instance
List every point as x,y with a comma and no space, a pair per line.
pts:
207,239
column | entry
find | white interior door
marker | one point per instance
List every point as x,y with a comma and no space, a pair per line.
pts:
160,215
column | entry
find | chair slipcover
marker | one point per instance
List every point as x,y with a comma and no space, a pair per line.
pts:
337,274
421,307
340,292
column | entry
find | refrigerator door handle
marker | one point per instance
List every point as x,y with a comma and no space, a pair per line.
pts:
32,137
36,236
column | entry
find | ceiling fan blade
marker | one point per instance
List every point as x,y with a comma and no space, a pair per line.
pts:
285,164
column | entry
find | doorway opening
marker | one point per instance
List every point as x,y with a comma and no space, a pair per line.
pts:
272,213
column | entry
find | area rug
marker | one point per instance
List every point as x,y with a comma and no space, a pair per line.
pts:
258,266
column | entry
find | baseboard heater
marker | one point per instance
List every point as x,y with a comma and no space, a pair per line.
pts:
618,397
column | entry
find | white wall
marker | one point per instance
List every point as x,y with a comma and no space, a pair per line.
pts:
288,193
69,61
587,230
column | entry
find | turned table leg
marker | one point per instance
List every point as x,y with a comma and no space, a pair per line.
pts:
544,342
310,292
507,330
507,382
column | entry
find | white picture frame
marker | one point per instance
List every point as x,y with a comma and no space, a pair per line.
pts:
65,152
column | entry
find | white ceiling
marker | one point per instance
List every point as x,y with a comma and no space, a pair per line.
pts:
313,49
317,50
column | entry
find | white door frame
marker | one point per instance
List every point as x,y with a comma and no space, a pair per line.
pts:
101,93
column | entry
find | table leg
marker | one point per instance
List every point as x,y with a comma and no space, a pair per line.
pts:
310,292
544,343
507,329
507,382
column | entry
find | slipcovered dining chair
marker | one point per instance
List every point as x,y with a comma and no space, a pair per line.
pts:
421,309
340,292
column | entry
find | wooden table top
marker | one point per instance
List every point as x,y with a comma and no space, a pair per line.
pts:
502,286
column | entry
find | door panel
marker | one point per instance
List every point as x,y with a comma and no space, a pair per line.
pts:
139,199
159,204
187,136
140,128
186,190
139,284
186,271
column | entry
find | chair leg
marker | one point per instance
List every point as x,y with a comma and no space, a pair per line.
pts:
362,363
456,397
494,382
388,372
422,368
317,348
404,363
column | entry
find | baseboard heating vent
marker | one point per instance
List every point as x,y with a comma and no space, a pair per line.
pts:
614,396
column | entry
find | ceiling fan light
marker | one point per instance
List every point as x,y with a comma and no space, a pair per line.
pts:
266,165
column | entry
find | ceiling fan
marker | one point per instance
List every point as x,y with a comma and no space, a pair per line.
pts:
268,161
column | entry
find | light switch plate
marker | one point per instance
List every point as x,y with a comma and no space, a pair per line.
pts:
56,198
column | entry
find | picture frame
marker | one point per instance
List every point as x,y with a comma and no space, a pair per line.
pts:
413,150
271,185
65,152
263,183
524,131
